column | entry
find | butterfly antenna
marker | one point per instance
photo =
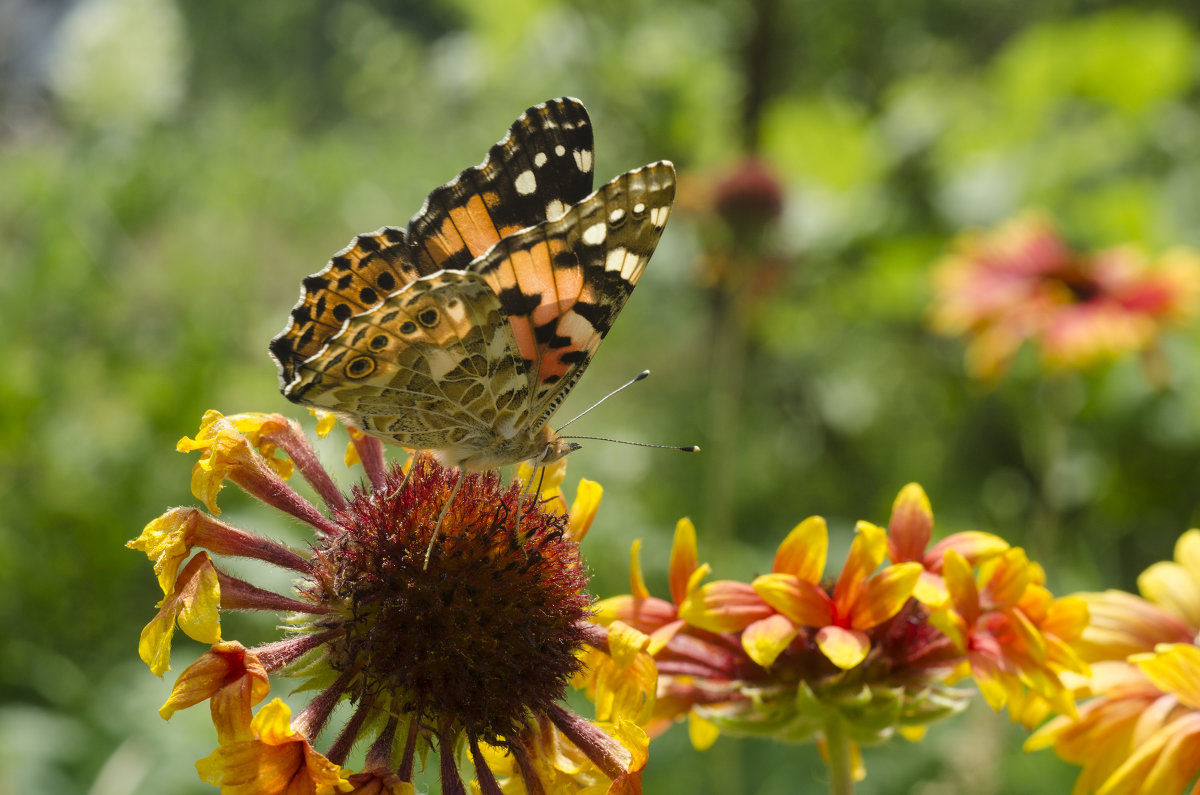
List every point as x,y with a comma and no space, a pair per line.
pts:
628,383
687,448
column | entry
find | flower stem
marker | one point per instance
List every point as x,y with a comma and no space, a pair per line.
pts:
840,760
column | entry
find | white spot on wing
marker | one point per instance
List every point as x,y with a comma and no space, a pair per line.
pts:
526,183
658,216
639,208
616,259
540,159
555,209
560,150
583,159
594,234
616,215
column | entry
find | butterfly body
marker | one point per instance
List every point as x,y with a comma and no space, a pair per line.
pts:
464,333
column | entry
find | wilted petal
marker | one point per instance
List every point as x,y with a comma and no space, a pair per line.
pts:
193,603
232,679
278,761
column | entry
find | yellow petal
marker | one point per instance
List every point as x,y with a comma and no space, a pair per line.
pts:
931,590
960,582
625,642
803,602
703,733
326,421
1172,586
845,648
583,509
1173,668
765,639
803,552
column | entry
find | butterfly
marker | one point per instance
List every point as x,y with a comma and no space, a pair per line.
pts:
463,333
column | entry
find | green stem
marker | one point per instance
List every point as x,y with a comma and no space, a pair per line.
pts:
841,760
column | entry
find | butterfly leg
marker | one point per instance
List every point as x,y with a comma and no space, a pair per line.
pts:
441,518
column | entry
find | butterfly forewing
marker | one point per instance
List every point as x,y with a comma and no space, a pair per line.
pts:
539,169
536,171
564,281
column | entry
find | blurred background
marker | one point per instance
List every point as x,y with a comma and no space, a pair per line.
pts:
169,171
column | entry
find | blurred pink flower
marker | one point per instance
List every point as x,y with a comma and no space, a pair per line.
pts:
1023,282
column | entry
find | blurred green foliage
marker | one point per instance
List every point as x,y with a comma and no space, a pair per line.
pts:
169,171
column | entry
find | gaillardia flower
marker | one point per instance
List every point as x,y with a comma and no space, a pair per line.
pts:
874,651
1022,282
450,627
1138,731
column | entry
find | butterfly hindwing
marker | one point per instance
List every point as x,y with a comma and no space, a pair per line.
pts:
436,365
564,281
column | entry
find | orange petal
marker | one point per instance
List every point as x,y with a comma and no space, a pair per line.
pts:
866,553
723,606
801,601
973,545
803,552
911,525
685,558
1004,578
765,640
884,594
845,648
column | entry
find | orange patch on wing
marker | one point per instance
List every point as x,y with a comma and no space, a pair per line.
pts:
475,226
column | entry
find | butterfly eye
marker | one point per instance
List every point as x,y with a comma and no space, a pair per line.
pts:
408,327
360,367
428,318
378,342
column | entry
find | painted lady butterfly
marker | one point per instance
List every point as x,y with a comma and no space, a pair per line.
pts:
463,333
